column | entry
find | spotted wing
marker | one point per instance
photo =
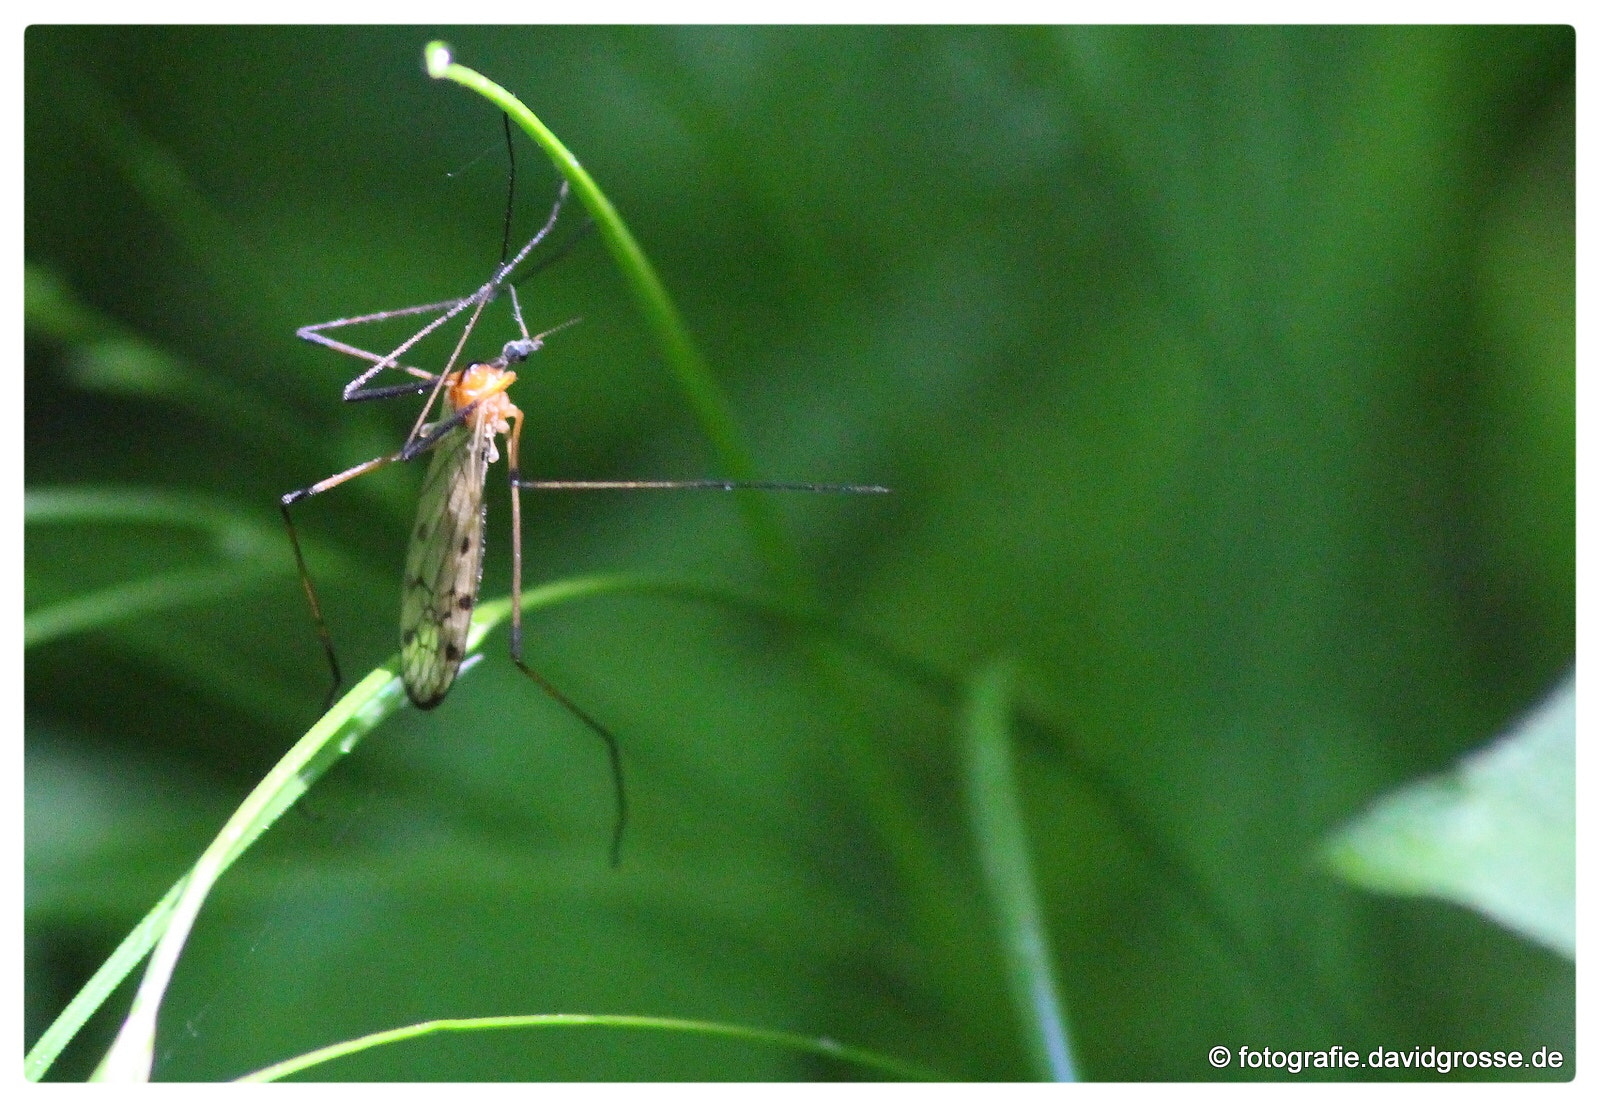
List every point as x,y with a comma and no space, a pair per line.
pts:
444,564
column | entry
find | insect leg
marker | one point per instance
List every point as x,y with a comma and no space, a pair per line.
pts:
438,384
539,236
389,392
511,186
505,239
613,747
300,559
314,333
697,486
555,253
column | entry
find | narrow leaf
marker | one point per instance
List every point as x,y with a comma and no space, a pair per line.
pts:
1002,838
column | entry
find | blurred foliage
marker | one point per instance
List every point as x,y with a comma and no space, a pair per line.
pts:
1226,381
1499,834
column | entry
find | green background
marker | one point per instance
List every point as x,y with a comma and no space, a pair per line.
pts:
1225,379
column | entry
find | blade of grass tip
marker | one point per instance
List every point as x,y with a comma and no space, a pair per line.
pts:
824,1047
1002,842
706,397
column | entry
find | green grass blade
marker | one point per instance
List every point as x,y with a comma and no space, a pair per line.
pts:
105,980
57,505
167,925
938,683
247,554
705,395
371,701
334,735
106,358
123,602
822,1047
1002,838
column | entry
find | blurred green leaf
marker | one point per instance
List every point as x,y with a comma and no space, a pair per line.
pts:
104,358
243,555
49,307
1499,834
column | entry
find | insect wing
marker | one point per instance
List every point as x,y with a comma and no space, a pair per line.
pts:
444,564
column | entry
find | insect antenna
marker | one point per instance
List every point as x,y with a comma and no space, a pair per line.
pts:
511,188
554,253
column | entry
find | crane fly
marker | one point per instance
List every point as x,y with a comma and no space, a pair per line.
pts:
444,562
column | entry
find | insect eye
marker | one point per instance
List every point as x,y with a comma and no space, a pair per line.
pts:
519,349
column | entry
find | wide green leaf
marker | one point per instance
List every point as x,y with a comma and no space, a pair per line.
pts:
1498,834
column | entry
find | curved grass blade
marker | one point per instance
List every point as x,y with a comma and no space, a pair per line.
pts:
247,554
123,602
932,679
688,365
167,925
821,1047
105,980
1002,839
334,735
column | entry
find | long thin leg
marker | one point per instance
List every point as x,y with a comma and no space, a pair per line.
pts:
391,391
449,309
312,332
613,747
555,253
438,384
309,331
300,558
555,211
696,486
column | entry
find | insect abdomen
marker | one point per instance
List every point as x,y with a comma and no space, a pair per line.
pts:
444,566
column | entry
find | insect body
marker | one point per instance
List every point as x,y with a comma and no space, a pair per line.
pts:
445,561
